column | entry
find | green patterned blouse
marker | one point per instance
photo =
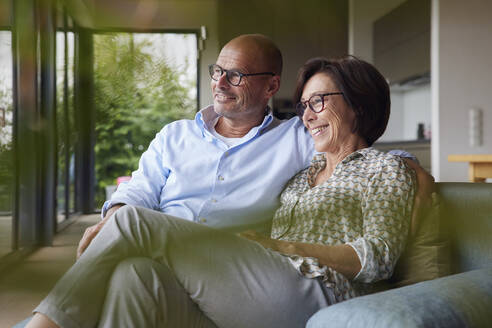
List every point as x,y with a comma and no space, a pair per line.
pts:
366,203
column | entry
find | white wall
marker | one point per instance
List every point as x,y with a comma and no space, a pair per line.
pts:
394,130
462,78
416,109
301,29
408,109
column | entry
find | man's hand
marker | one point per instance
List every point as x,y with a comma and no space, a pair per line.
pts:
92,231
423,198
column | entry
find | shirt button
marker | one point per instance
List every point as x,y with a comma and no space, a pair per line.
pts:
221,178
226,153
203,220
213,200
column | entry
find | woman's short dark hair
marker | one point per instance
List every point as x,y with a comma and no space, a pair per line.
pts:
364,89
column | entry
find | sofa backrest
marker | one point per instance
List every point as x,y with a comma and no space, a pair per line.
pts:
466,216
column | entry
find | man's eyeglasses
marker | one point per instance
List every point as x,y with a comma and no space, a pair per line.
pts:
316,103
233,77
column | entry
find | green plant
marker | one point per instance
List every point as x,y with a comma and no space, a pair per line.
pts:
136,94
6,153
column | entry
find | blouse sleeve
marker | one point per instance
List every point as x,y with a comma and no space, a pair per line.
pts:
386,211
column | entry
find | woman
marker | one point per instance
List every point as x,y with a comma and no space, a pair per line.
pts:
341,226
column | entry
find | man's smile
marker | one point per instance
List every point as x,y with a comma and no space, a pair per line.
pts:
221,97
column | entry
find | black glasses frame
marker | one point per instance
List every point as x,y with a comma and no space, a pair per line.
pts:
301,105
212,67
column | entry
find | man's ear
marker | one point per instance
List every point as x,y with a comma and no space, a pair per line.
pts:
273,86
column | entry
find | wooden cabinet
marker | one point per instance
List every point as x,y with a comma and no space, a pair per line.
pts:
401,41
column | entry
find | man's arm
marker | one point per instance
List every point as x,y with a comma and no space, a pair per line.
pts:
143,189
145,186
425,188
423,198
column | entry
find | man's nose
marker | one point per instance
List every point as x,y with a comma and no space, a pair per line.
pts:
222,82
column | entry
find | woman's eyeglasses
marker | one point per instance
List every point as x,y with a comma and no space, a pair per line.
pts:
316,103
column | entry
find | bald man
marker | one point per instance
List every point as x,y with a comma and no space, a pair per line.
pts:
224,169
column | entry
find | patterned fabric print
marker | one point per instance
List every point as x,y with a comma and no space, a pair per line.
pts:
366,203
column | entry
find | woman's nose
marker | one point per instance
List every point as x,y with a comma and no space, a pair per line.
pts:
308,115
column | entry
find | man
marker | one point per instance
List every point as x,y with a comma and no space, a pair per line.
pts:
228,166
225,169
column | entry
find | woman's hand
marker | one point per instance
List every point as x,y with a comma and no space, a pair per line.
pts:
265,241
341,258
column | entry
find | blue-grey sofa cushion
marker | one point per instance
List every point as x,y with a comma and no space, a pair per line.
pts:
461,300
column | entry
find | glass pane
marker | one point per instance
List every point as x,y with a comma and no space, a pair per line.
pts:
6,155
71,120
60,125
142,82
65,128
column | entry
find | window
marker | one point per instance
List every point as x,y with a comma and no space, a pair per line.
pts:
65,123
142,82
6,139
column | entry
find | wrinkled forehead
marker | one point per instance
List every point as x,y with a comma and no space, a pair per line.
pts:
319,83
243,58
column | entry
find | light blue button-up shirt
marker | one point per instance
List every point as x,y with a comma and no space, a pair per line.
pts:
189,173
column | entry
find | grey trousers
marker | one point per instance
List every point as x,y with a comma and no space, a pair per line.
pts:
185,275
145,293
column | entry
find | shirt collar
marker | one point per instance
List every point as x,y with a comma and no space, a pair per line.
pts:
206,117
364,152
319,160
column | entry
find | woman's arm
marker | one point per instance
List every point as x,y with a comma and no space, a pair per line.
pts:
386,209
341,258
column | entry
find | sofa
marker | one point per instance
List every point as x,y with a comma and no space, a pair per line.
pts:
461,298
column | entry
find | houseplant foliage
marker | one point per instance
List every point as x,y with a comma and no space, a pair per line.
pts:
136,94
6,154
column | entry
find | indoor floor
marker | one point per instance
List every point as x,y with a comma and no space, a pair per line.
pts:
24,286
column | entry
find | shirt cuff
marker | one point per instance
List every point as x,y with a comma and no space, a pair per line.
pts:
106,206
362,260
404,154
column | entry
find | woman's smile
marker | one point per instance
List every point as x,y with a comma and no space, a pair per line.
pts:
318,130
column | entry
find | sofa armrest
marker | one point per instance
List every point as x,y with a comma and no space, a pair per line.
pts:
460,300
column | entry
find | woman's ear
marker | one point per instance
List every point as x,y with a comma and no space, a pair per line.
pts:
357,117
